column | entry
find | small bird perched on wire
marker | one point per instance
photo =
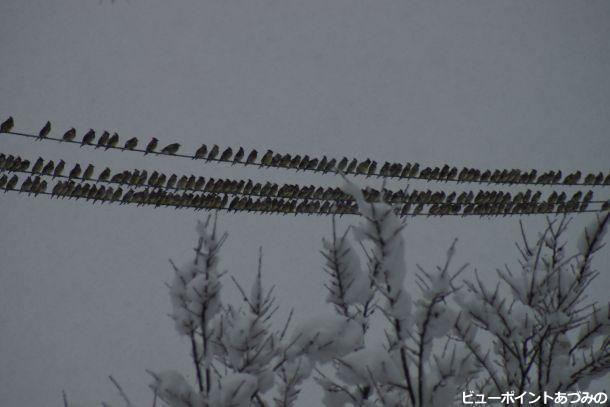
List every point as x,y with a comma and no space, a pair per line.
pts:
213,152
112,141
170,149
88,138
227,154
75,172
48,168
12,183
44,132
251,157
201,152
151,146
37,165
266,160
239,155
59,168
7,125
131,144
103,140
88,172
104,175
70,135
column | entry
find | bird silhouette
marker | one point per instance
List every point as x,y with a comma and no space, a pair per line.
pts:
266,160
104,175
239,155
88,172
59,168
151,146
103,140
170,149
363,167
88,138
48,168
112,141
37,165
342,164
12,183
285,161
171,182
75,172
7,125
213,152
322,164
352,165
131,144
201,152
26,186
70,135
227,154
251,157
44,132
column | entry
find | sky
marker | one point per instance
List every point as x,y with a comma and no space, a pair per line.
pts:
487,84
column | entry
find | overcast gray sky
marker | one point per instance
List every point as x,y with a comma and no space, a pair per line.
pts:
514,84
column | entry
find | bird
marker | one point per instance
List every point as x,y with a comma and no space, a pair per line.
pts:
251,157
48,169
88,172
59,168
330,166
75,172
201,152
70,135
7,125
266,160
37,165
88,138
26,186
11,183
322,164
112,141
363,166
131,143
213,152
151,146
170,149
104,175
199,184
182,182
3,180
171,182
352,165
342,164
227,154
239,155
103,140
44,132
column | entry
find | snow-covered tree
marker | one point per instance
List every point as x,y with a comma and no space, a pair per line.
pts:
544,334
533,331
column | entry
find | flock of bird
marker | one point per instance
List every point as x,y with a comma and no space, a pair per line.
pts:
190,191
157,180
367,167
490,204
